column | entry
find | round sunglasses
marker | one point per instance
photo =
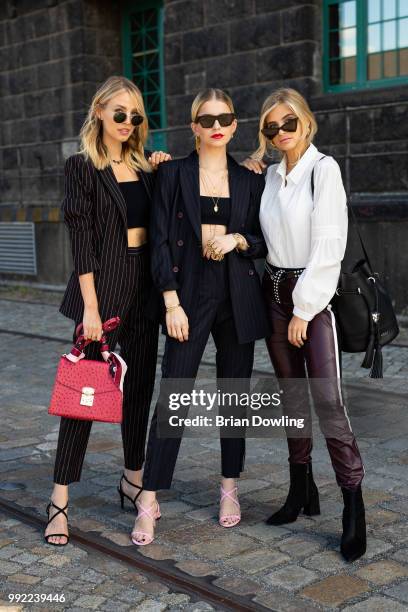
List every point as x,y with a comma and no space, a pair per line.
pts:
207,121
272,130
121,116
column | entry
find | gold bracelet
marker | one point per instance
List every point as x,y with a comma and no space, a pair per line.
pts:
171,308
240,241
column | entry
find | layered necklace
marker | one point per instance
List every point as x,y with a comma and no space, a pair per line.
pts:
211,188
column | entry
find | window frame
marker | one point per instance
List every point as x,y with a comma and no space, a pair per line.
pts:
157,137
362,81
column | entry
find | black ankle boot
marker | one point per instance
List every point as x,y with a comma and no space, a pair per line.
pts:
354,539
303,493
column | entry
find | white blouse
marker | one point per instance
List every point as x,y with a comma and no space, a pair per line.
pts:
304,233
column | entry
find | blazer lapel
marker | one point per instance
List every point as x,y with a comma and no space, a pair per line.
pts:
190,186
110,182
239,194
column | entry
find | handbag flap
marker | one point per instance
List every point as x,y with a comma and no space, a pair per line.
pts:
85,373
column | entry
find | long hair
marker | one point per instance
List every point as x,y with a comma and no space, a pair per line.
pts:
205,95
92,146
298,106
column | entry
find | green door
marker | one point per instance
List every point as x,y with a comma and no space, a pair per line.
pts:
142,50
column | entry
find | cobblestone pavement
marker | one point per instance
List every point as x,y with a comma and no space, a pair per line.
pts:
292,568
80,580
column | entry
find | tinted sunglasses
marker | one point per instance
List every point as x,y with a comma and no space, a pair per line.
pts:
135,119
272,130
207,121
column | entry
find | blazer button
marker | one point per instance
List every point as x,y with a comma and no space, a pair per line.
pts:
175,269
180,214
250,272
180,243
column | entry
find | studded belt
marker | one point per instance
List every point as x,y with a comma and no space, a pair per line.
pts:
278,275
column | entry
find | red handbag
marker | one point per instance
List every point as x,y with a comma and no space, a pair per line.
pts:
87,389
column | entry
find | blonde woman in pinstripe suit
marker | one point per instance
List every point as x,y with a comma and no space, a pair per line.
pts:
108,188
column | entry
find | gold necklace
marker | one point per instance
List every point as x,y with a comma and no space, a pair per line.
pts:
213,254
214,198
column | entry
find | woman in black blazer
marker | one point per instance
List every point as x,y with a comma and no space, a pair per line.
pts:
205,235
108,190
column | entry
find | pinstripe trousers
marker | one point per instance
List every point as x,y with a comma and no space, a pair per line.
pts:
321,357
138,337
182,359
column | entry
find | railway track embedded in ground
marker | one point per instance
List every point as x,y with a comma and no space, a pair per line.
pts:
199,589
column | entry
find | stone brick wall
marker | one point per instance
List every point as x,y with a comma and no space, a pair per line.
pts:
53,54
247,47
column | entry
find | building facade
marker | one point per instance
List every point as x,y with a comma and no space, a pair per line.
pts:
348,57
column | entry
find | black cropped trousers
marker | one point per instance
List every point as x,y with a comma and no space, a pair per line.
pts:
138,338
181,361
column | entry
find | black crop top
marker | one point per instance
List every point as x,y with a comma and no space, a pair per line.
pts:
137,203
208,214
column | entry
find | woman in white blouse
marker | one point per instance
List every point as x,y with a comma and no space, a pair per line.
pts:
306,237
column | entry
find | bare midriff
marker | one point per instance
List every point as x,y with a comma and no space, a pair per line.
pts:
137,236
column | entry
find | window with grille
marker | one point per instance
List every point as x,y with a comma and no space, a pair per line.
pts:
365,43
142,48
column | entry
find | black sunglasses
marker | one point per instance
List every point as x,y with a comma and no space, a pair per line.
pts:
272,130
135,119
207,121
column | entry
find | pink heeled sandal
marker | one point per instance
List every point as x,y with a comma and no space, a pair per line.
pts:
142,511
224,519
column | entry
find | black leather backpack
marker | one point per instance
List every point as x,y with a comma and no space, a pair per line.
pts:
363,309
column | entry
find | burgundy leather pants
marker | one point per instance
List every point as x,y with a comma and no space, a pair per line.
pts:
319,359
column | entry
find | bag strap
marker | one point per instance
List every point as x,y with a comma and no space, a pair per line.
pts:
117,367
353,217
77,351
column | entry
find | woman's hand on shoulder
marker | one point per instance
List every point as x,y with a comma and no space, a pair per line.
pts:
254,165
158,157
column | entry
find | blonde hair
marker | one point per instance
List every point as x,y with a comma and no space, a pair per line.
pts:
205,95
300,108
92,146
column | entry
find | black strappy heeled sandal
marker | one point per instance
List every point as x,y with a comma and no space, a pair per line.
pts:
123,494
53,535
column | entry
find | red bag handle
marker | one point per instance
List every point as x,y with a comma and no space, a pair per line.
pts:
81,342
117,368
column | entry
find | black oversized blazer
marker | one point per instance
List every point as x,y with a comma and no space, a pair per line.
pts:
175,240
95,213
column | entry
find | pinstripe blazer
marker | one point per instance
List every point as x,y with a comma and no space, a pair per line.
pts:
176,249
95,213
